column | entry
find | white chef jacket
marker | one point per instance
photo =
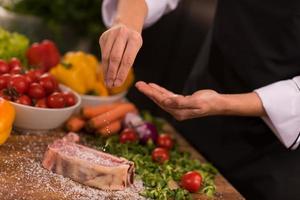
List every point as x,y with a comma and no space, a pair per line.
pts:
281,100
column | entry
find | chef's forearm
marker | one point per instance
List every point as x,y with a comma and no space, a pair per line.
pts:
131,13
248,104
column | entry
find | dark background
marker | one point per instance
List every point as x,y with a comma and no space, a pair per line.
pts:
170,48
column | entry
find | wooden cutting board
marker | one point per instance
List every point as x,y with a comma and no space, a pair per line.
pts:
23,178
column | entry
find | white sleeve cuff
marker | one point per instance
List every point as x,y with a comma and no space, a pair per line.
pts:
109,8
156,9
281,101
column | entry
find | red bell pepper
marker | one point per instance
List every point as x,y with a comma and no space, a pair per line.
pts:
44,55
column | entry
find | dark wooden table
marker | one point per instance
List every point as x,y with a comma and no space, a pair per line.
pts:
22,177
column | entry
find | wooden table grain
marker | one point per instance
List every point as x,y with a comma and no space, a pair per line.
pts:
21,148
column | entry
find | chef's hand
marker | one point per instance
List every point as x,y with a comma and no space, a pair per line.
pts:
121,43
202,103
119,46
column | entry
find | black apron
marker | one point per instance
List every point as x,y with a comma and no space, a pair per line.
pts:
253,43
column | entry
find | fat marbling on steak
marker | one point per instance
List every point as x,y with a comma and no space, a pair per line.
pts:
88,166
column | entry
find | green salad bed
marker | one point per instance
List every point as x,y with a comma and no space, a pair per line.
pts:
161,181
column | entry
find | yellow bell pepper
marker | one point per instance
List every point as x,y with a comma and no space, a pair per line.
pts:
100,89
125,86
77,70
7,116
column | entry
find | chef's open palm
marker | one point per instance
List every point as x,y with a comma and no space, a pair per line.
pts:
201,103
119,47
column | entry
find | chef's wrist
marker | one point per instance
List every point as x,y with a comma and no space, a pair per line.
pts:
248,104
132,14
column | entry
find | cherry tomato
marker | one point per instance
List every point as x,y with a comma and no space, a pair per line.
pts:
69,98
28,79
24,99
160,155
48,82
56,100
34,74
36,91
16,70
165,141
4,79
14,62
41,103
19,83
191,181
4,94
128,135
4,68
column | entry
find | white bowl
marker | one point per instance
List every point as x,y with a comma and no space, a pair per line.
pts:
90,100
39,119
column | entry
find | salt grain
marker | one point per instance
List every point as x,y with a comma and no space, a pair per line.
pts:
23,177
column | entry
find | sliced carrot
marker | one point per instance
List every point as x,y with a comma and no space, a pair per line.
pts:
92,111
115,114
75,124
110,129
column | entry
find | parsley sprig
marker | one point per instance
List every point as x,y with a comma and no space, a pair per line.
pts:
157,177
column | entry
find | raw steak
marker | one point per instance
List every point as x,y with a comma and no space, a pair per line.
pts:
71,137
88,166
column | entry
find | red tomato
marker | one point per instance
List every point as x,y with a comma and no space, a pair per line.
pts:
24,99
35,74
160,155
56,100
36,91
19,83
165,141
191,181
69,98
128,135
4,79
41,103
4,94
14,62
16,70
28,79
4,68
48,82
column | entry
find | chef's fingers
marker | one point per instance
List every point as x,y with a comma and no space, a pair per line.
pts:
165,101
162,90
181,102
115,56
159,103
174,100
142,86
133,46
106,41
145,89
152,93
158,98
